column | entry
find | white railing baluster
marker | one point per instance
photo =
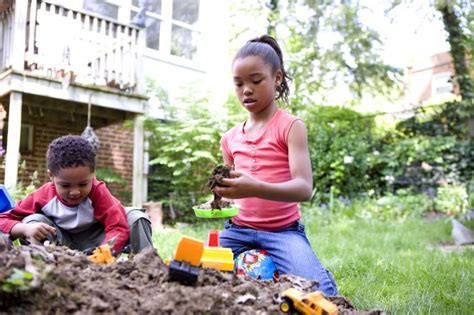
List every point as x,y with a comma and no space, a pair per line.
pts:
8,38
30,52
2,42
133,53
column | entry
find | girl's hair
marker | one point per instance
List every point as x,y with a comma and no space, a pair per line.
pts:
267,47
70,151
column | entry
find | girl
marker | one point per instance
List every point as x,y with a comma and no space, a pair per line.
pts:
269,153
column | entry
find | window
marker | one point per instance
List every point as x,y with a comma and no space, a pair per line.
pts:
441,84
105,8
171,26
26,138
183,42
184,38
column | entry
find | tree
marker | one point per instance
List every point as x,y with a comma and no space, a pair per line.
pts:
461,41
460,46
353,59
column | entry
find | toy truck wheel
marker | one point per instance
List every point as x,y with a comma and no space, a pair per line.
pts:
286,306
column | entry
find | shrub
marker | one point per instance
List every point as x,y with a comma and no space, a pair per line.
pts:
389,207
452,199
183,153
427,150
339,141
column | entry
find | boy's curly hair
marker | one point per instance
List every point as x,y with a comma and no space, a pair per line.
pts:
70,151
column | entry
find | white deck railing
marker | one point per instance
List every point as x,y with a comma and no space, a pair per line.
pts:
6,34
78,45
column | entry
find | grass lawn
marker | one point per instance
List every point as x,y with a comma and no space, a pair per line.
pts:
395,266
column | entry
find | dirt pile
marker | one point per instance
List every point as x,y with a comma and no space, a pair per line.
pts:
61,280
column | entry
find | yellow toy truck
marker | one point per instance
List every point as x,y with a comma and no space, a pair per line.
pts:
102,255
306,303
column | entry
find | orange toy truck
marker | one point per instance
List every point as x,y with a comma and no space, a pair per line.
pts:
191,254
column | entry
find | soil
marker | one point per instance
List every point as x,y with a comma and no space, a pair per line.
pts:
218,173
64,281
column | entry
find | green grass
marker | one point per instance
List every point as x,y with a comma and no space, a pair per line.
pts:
395,266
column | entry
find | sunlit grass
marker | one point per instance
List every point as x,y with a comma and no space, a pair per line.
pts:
394,266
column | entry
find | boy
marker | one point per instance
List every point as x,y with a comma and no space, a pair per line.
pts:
74,208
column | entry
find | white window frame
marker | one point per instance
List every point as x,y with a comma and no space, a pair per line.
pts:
440,80
167,22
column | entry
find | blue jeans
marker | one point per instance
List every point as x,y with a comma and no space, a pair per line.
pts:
289,248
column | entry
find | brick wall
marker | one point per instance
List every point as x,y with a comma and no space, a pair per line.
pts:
115,152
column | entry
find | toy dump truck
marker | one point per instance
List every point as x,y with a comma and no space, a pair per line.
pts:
306,303
218,258
191,254
102,255
184,267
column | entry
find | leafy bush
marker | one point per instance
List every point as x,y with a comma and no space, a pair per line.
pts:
427,150
418,162
23,189
452,199
398,206
339,141
184,152
115,183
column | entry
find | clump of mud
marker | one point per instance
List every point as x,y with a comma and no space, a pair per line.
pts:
64,281
218,173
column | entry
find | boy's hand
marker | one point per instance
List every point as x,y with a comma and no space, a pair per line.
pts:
38,231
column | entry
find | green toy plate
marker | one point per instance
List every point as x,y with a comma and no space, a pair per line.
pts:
216,213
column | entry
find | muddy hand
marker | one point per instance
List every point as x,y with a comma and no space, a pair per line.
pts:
39,231
240,185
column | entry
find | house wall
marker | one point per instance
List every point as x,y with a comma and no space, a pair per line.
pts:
421,76
116,153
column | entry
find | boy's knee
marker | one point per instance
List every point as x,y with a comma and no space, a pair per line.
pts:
37,217
135,214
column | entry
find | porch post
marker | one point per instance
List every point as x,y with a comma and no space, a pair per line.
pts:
138,147
14,109
13,140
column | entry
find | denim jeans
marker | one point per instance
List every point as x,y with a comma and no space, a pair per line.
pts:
289,249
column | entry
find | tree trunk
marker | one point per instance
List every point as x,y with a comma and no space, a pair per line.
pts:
457,40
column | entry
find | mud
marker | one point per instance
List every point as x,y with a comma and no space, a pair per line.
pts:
218,173
64,281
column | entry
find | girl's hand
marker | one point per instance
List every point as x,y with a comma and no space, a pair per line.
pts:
240,185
